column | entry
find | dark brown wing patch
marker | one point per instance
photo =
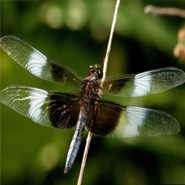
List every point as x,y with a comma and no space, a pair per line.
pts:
114,85
64,75
107,118
63,110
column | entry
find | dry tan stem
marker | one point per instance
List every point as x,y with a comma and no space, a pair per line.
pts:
165,11
88,141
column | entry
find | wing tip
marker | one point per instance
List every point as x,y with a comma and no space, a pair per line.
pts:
175,127
7,37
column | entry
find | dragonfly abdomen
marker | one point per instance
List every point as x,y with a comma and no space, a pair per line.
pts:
75,143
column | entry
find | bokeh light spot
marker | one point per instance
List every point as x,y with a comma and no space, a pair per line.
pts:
51,15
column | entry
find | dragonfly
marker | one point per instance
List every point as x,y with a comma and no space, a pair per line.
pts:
89,109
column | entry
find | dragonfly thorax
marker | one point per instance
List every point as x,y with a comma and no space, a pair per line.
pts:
91,85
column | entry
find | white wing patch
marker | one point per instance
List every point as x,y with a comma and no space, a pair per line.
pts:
36,102
142,85
134,122
130,122
36,62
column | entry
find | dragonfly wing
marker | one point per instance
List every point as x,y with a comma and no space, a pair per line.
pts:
145,83
106,118
128,121
137,121
49,109
36,63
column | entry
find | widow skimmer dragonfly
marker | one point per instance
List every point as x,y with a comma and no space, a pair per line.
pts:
87,109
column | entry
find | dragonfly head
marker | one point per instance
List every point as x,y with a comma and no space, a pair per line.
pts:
96,71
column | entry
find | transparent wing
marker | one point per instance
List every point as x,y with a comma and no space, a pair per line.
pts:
36,63
137,121
49,109
145,83
127,121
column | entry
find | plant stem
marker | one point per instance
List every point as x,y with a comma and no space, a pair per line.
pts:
105,64
88,141
169,11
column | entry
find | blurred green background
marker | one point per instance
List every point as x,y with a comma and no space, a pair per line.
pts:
75,33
